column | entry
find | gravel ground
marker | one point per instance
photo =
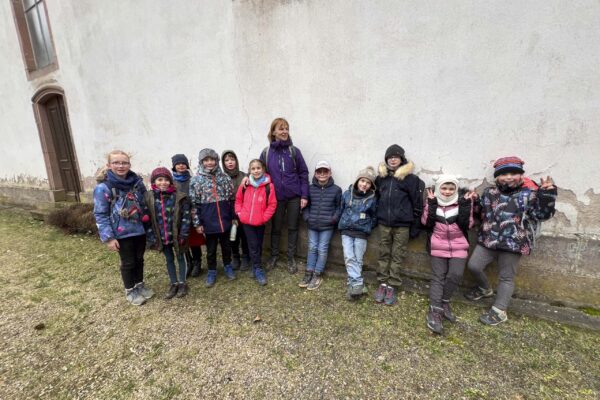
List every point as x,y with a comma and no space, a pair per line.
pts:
67,332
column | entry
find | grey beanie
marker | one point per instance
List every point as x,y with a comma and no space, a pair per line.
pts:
367,173
205,153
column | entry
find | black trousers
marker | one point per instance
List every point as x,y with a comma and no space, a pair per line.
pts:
131,252
212,241
290,207
255,235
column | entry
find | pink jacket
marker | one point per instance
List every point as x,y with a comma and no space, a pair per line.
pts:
448,226
252,206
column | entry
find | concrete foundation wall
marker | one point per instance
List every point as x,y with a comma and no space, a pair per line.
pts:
457,84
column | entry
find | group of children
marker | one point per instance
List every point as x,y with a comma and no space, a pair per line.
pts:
227,208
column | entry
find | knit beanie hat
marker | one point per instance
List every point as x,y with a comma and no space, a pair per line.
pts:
446,200
367,173
180,159
161,171
394,150
205,153
507,165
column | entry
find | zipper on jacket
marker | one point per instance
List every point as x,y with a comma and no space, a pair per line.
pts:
162,211
320,201
214,180
390,202
252,204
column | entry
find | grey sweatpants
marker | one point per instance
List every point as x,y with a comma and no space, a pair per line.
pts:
507,269
446,274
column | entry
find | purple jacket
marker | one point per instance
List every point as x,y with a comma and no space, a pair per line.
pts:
288,172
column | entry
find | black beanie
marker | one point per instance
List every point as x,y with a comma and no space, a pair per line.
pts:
394,150
180,159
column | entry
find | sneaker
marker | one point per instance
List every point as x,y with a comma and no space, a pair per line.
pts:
245,264
144,291
448,314
291,265
235,263
211,278
494,317
272,263
390,296
357,290
183,290
380,293
434,319
306,279
259,275
315,282
229,272
134,297
172,291
478,293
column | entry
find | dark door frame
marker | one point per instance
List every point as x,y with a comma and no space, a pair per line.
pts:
55,180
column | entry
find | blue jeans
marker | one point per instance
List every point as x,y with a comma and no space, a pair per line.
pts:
170,257
318,246
354,250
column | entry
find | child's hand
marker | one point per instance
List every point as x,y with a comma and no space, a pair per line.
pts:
113,245
430,194
471,195
200,230
245,181
547,183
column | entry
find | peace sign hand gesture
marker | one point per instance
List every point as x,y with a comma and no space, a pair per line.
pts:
430,194
547,183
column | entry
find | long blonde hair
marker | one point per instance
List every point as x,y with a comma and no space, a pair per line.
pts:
101,175
276,121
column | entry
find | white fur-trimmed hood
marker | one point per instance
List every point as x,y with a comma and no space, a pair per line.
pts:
402,172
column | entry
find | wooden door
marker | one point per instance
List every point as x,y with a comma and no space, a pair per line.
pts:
63,146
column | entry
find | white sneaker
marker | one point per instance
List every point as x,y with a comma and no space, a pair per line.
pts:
134,297
147,293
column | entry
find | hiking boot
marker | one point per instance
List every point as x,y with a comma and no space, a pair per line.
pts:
434,319
315,282
144,291
291,265
183,290
478,293
448,314
172,291
306,279
134,297
196,268
390,296
229,272
494,317
260,276
380,293
211,278
272,263
235,263
245,264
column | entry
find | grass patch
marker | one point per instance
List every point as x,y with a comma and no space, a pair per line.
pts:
590,311
67,332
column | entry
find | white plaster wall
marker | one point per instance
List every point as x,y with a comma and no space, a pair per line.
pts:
21,159
457,83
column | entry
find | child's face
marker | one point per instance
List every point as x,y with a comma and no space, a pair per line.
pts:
394,161
510,179
119,165
282,131
180,167
209,163
230,162
322,175
162,183
447,189
256,170
363,184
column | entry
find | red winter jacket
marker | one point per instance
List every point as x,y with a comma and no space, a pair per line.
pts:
251,205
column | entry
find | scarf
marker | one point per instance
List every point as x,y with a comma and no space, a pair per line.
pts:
123,184
183,177
256,183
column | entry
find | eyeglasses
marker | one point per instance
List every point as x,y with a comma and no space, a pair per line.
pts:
120,163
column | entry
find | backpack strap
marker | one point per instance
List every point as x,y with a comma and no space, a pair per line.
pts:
265,156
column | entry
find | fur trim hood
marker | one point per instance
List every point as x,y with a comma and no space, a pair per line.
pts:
402,172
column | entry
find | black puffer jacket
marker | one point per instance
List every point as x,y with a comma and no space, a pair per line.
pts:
324,205
400,197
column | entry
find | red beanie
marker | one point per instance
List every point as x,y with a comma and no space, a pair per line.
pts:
506,165
161,171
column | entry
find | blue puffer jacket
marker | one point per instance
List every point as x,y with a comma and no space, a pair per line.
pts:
359,211
324,205
122,218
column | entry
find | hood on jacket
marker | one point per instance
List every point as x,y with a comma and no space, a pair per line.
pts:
402,172
205,153
236,171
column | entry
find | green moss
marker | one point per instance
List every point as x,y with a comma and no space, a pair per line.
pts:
594,312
